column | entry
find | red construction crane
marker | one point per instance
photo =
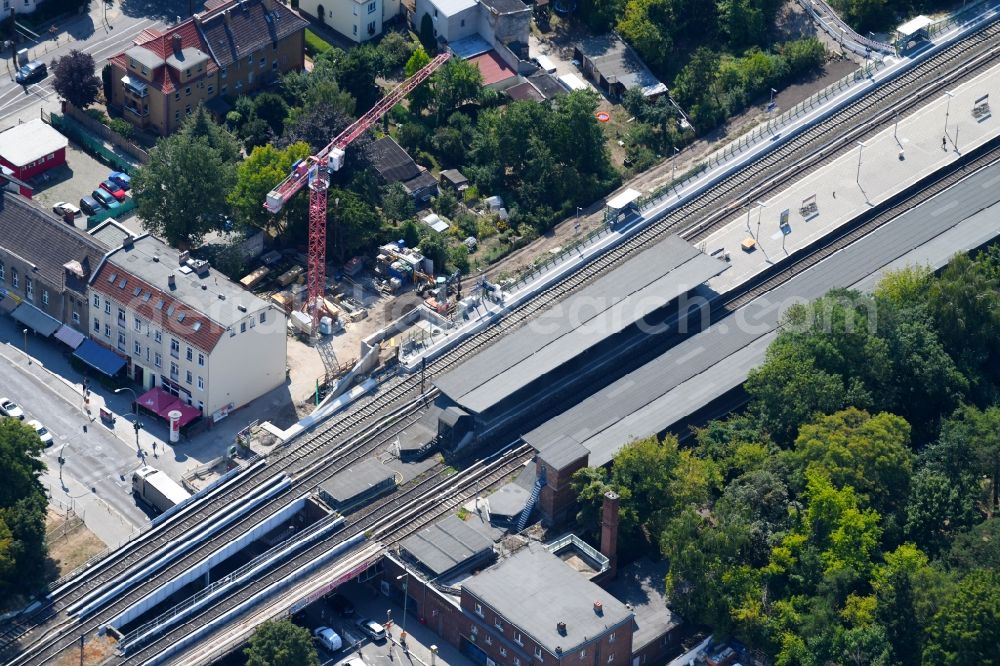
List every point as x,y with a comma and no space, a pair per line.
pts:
316,171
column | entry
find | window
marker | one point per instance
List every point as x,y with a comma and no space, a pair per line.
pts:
29,288
144,70
45,296
199,67
157,360
538,653
177,95
76,317
121,316
13,277
263,61
107,330
222,73
474,630
503,651
611,637
201,359
435,12
611,657
253,322
3,277
355,30
371,28
190,354
187,90
138,324
479,610
243,327
187,109
518,639
97,325
175,348
188,378
463,23
201,383
517,661
177,115
107,306
211,89
274,65
371,7
489,639
263,317
583,654
497,623
175,372
121,341
187,72
250,59
158,336
137,348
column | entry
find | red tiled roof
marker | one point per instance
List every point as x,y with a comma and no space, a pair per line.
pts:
206,336
164,78
492,67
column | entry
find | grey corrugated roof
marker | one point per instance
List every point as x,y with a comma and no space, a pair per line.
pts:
37,235
446,545
356,479
505,6
534,590
617,62
705,366
607,306
390,160
508,501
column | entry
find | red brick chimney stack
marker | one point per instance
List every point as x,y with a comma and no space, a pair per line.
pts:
609,531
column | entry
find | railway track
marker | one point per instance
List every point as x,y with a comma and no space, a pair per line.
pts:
389,524
406,522
397,399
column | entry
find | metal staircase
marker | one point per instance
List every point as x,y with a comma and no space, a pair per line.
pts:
522,520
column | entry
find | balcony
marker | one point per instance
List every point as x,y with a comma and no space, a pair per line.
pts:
135,86
135,111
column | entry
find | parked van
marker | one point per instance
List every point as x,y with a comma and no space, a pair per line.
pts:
545,63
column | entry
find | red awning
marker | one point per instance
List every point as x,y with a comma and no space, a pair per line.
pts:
188,413
158,401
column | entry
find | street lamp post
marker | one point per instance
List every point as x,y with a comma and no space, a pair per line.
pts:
760,209
947,110
135,423
672,169
405,577
861,147
26,346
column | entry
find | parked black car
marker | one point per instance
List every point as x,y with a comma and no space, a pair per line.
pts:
33,71
90,206
340,604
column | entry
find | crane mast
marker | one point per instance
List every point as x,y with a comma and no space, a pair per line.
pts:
315,171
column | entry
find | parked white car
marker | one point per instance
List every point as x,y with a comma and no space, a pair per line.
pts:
10,408
43,432
64,208
328,638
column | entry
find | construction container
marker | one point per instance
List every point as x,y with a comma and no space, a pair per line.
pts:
301,321
290,275
253,279
283,299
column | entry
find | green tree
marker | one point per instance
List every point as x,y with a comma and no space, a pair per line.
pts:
432,246
74,79
420,98
353,224
651,38
22,511
397,205
427,37
181,193
281,643
970,438
255,177
457,81
967,628
868,453
272,109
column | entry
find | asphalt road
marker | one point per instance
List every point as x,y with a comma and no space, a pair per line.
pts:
96,478
105,31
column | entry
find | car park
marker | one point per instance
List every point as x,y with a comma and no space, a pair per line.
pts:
10,408
371,629
114,189
31,72
64,208
43,432
340,604
90,205
123,180
106,199
328,638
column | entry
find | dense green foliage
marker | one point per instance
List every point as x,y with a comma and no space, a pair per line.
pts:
281,643
865,15
74,80
181,194
22,511
849,515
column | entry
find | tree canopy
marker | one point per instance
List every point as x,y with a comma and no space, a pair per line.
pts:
74,79
281,643
22,511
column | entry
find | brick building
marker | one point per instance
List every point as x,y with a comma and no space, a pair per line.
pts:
231,48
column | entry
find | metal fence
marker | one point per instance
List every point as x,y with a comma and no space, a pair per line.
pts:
89,143
126,206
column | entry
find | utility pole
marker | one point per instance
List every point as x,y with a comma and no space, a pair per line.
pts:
26,346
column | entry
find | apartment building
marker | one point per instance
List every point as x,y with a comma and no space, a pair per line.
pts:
231,48
358,20
44,267
186,328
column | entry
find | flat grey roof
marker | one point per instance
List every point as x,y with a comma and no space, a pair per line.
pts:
357,480
153,261
534,590
508,501
144,56
618,63
641,586
446,545
687,377
188,58
597,311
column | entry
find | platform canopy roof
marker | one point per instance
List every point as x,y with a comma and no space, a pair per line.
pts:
913,26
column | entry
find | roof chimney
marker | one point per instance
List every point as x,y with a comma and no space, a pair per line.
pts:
171,281
183,257
561,628
599,608
128,242
609,533
175,42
